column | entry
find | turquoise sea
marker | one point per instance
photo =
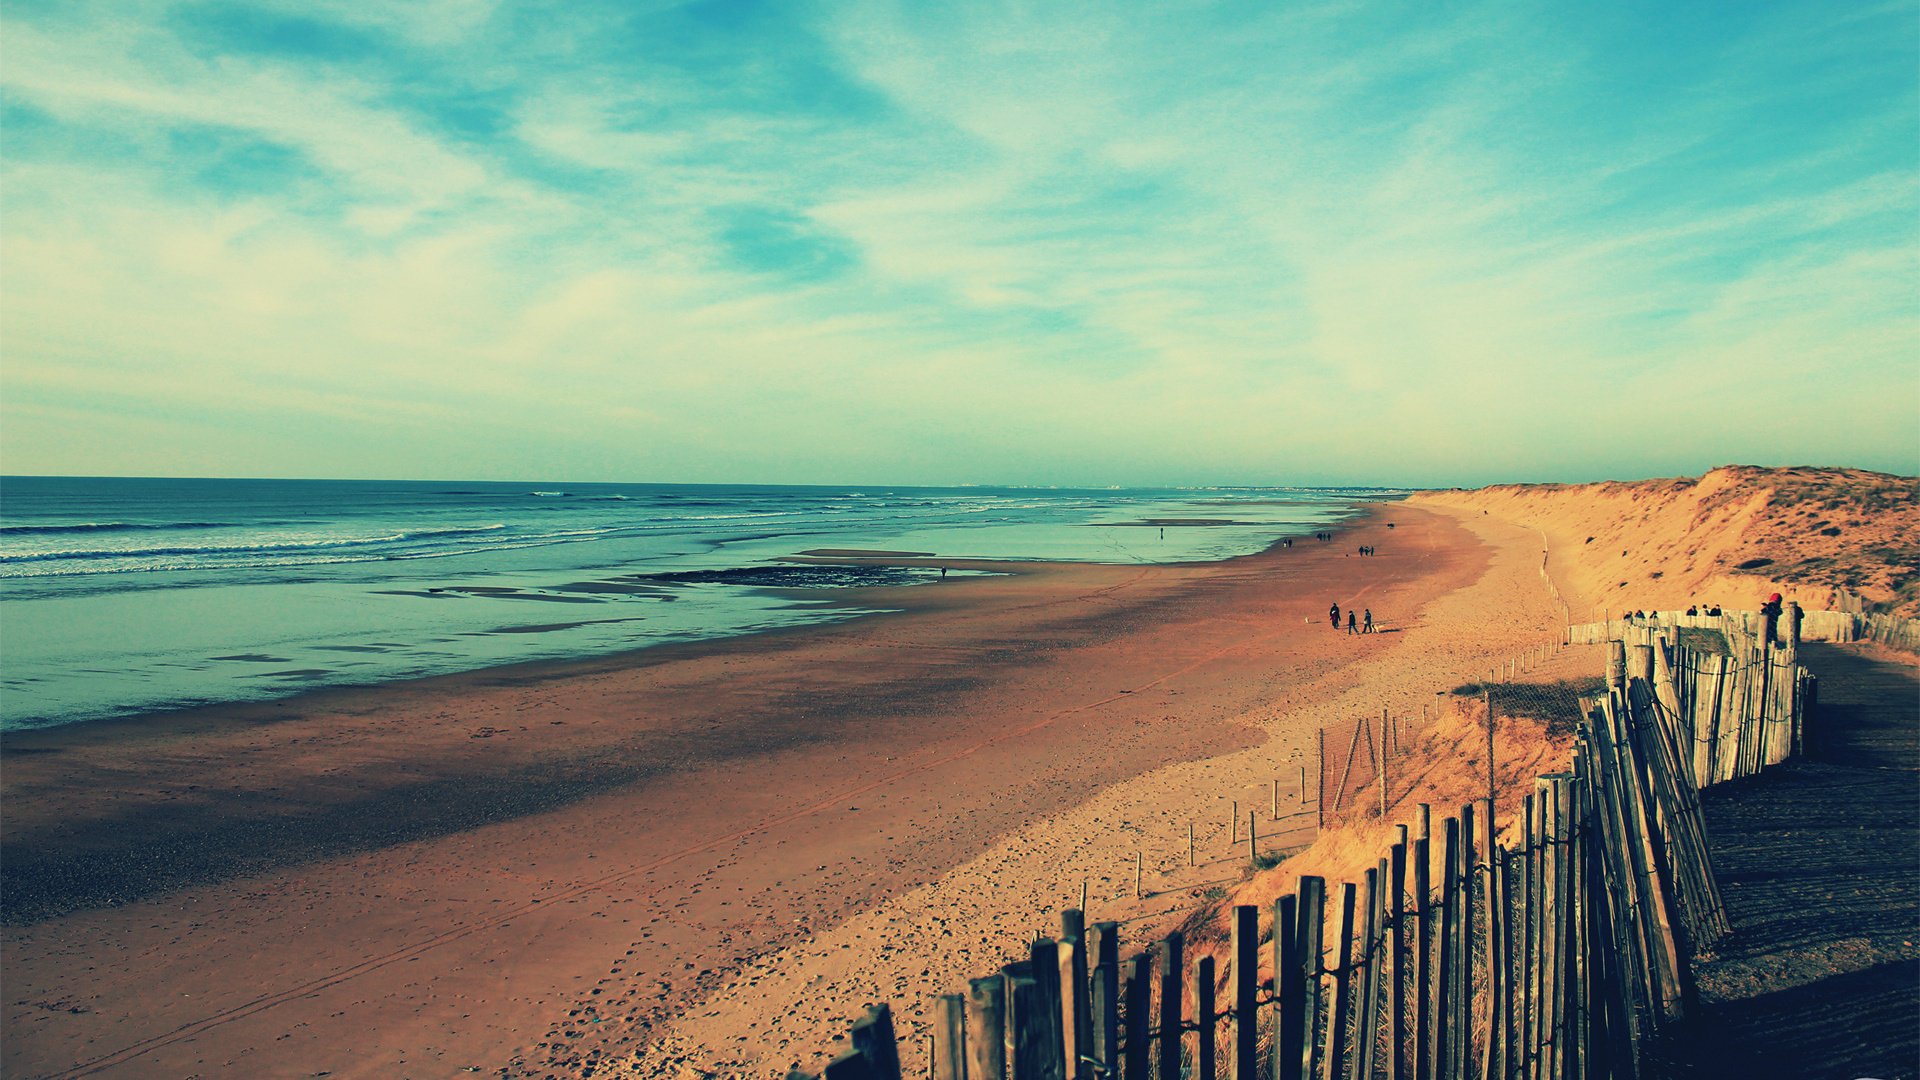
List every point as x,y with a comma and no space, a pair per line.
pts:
121,596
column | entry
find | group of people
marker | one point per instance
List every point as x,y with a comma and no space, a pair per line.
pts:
1695,609
1323,536
1363,626
1366,549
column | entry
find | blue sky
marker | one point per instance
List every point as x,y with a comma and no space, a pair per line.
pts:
892,242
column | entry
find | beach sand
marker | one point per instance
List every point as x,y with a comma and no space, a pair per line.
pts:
707,856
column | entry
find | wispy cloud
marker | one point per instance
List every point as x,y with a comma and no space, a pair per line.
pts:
875,240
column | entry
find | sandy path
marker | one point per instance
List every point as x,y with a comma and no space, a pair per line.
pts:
789,1007
533,868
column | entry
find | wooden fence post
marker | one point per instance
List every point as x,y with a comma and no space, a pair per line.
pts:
1073,1005
949,1038
1464,876
1104,954
872,1039
1205,1020
1246,986
1398,1060
1443,983
1342,976
1139,1003
1313,903
1372,957
1076,975
1423,980
1045,956
1289,989
1172,991
986,1039
1026,1037
1384,759
1493,1058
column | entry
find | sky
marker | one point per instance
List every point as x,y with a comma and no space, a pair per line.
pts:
915,243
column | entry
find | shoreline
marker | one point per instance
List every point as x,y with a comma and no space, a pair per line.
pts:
726,837
825,597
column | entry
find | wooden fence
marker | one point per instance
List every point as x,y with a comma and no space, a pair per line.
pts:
1557,947
1894,631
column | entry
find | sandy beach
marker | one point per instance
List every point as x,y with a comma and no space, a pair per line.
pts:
707,856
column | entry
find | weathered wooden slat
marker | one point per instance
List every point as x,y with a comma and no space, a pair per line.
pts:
1443,983
1026,1028
1104,954
1290,988
1492,1059
1423,1015
1138,1018
1463,984
949,1057
1073,1004
1313,914
1557,912
986,1039
1045,956
1205,1020
1172,998
1342,977
1399,1061
1079,997
1246,987
1372,957
1656,894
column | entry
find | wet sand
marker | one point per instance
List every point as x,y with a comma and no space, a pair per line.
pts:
535,869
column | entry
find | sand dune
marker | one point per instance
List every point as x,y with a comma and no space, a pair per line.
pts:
1827,537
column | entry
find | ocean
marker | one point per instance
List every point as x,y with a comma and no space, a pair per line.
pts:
121,596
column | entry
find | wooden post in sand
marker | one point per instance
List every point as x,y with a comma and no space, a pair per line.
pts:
1320,785
1384,724
1103,952
947,1057
1139,991
1422,947
1045,961
1190,861
1139,864
1337,1038
1027,1028
1233,825
1492,794
1273,805
1205,1018
1253,855
1246,986
1399,1063
986,1043
1172,997
1289,989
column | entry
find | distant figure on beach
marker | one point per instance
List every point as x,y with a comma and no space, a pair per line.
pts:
943,573
1163,533
1351,627
1770,617
1367,619
1693,609
1713,612
1333,616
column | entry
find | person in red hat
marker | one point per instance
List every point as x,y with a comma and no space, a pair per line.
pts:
1770,616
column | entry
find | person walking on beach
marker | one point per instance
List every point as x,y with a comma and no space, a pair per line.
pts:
1351,627
1368,621
1333,616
